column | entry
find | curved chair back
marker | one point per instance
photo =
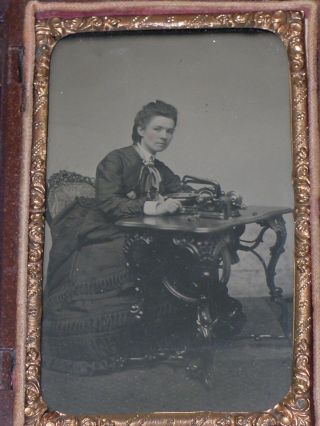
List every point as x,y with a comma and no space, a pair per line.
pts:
63,188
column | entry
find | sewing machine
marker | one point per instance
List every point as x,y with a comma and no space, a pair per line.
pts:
207,199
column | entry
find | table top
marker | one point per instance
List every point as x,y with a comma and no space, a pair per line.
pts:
201,225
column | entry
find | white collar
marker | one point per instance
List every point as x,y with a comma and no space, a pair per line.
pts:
144,154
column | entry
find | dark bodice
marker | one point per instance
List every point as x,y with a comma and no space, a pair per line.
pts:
118,195
117,183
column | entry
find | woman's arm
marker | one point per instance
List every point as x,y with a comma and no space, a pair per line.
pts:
172,182
110,190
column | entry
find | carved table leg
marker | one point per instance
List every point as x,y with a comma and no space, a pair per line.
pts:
277,224
195,271
204,266
138,249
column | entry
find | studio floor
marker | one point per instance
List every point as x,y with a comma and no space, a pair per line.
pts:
248,375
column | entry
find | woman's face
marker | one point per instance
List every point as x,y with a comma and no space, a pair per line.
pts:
157,134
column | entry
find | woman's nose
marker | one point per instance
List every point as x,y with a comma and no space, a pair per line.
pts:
163,134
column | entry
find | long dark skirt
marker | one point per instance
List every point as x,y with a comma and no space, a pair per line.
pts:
89,324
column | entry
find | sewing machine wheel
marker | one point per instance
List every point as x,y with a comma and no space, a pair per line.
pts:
185,275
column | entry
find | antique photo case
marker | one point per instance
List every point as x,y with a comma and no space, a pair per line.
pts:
169,252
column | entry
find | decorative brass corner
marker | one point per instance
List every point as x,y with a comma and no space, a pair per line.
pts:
295,408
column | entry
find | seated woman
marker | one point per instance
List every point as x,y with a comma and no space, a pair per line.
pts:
89,323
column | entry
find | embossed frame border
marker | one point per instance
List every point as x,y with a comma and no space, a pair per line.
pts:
52,23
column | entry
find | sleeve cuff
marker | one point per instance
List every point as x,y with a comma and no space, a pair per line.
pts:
150,207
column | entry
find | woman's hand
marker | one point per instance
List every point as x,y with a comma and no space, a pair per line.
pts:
168,206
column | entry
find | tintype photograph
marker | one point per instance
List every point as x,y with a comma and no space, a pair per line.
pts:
168,265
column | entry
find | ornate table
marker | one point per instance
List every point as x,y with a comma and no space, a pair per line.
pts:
193,255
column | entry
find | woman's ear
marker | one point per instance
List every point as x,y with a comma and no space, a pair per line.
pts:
140,131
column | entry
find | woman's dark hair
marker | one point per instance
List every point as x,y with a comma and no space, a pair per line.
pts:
152,109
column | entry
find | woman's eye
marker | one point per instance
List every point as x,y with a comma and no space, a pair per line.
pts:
160,129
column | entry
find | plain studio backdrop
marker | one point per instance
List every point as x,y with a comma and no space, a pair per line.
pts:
232,94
